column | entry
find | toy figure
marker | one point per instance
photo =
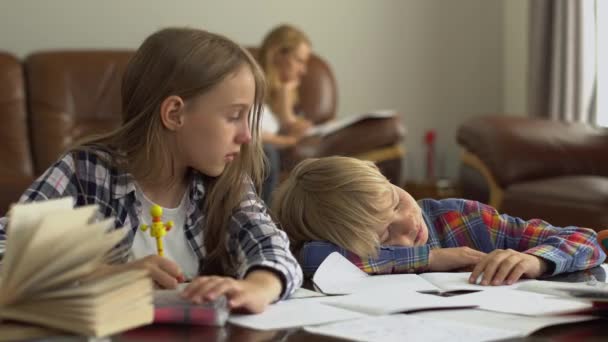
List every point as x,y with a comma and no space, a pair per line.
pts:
158,229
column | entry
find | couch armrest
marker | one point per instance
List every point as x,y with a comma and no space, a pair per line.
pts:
378,140
519,148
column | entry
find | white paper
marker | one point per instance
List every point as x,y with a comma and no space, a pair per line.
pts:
337,275
521,302
393,301
455,281
335,125
304,293
596,291
525,325
410,328
293,313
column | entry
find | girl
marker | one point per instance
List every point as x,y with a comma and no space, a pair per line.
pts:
189,142
346,205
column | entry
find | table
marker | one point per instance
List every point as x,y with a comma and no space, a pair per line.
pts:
584,331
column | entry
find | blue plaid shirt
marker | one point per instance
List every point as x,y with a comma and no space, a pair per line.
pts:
253,238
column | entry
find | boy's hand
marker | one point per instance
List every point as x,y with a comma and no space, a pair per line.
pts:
450,259
251,294
507,266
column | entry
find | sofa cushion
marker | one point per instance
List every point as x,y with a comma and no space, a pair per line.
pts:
519,149
72,94
568,200
16,170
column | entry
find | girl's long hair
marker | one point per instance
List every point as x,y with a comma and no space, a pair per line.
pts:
187,63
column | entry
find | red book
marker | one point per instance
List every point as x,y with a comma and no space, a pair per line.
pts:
169,307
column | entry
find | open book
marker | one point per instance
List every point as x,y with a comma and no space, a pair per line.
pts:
337,275
48,278
385,294
337,124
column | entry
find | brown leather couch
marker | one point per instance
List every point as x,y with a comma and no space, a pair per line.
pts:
535,168
52,98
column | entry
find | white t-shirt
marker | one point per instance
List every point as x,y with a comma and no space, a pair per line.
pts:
269,121
175,243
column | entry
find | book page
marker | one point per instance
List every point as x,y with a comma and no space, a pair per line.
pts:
304,293
457,281
389,301
293,313
23,221
525,325
410,328
337,275
337,124
593,290
521,302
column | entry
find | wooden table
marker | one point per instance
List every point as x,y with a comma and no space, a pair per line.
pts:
596,330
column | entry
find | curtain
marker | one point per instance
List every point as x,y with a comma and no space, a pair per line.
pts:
562,60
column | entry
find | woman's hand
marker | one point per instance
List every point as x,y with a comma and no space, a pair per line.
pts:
251,294
451,259
506,267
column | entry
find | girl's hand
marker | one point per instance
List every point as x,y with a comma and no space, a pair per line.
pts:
507,266
165,273
251,294
451,259
297,127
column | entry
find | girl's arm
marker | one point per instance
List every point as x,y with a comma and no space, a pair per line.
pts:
280,141
259,245
57,181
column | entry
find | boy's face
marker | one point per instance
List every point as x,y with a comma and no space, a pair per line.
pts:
407,227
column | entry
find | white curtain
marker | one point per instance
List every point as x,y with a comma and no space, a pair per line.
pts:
562,66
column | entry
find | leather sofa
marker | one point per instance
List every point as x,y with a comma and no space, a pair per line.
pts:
536,168
52,98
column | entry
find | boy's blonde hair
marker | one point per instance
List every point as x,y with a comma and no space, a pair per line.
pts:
335,199
282,39
187,63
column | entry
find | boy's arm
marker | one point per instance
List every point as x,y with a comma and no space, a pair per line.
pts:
567,249
390,259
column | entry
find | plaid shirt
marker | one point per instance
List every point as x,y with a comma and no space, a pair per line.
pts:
253,238
463,223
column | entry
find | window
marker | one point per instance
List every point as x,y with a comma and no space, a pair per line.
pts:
602,62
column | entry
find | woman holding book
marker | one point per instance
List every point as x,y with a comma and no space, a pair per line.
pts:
345,205
283,56
190,143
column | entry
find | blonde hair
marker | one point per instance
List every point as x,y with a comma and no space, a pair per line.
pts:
335,199
187,63
282,39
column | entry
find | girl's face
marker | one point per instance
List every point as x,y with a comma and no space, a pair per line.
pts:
292,64
216,124
407,227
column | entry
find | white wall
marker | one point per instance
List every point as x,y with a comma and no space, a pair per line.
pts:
516,56
437,62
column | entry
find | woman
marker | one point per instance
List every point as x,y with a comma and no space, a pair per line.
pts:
283,56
